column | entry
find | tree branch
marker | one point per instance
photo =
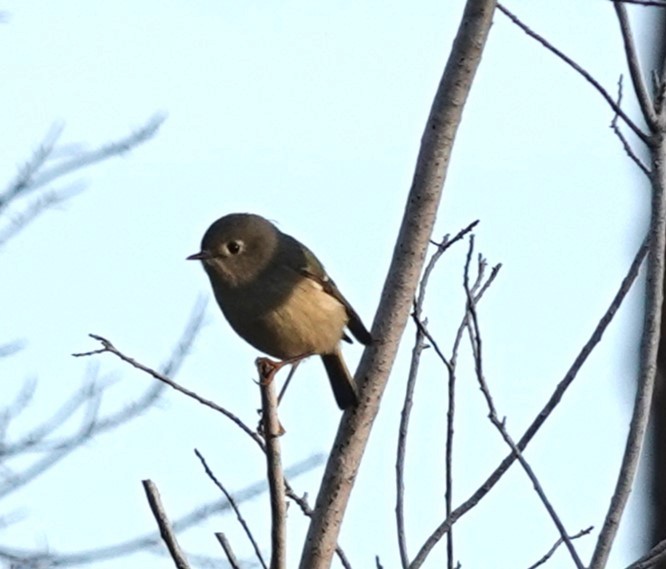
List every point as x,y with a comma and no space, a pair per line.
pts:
107,346
162,520
648,355
272,430
234,507
545,412
585,74
226,546
633,62
401,283
405,415
477,351
559,542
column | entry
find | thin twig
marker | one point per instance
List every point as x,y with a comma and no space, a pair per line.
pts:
478,290
272,430
543,415
148,542
405,414
477,350
107,346
623,139
162,520
588,77
287,381
34,175
234,507
47,201
419,346
559,542
26,173
228,551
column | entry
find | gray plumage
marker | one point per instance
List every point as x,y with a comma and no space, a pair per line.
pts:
277,296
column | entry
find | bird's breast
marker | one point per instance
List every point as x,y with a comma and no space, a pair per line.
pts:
287,321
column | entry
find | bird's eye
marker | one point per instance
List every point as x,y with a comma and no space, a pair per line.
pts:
234,247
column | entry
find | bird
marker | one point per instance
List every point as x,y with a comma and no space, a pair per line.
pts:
277,296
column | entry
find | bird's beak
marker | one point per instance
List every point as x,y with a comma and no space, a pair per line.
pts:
200,256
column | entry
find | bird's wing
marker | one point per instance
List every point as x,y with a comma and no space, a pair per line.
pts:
314,270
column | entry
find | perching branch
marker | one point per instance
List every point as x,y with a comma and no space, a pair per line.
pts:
272,430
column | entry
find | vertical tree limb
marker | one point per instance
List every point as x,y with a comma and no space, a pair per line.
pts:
633,62
397,296
648,354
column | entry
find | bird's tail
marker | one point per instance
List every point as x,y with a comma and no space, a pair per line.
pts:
341,380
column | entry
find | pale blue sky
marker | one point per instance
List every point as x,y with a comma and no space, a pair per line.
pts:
311,115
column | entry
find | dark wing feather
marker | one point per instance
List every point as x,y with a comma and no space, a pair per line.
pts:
314,270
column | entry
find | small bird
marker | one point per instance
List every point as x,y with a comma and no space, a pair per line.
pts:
277,296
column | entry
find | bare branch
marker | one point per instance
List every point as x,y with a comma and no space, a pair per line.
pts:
162,520
625,143
107,346
588,77
35,174
559,542
224,542
398,293
477,350
405,415
633,62
543,415
272,430
151,542
648,359
419,346
26,174
302,503
43,203
234,507
41,438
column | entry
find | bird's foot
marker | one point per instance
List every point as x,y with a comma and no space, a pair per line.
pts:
268,368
